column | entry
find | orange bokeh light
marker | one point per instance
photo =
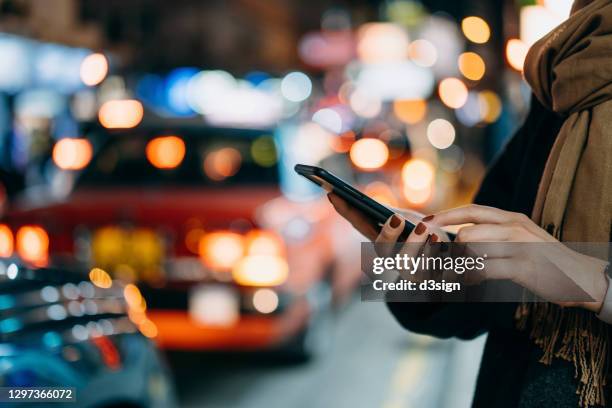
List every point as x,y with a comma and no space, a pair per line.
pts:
121,114
33,244
472,66
382,193
410,111
223,163
94,69
453,92
166,152
381,42
476,29
72,154
516,52
6,241
134,298
148,328
369,154
417,198
221,249
260,242
100,278
417,174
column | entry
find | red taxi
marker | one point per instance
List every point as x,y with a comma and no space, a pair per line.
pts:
196,217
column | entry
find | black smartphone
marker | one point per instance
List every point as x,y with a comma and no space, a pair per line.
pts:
377,213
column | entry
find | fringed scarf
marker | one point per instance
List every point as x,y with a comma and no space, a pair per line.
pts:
570,72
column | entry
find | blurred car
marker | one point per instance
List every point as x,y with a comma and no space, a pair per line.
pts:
196,216
58,330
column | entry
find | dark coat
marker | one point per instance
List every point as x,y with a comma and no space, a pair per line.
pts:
510,374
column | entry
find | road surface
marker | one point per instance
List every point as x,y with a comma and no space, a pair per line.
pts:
372,362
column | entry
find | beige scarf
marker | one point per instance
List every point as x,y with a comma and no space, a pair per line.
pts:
570,72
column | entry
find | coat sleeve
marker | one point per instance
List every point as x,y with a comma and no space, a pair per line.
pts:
511,183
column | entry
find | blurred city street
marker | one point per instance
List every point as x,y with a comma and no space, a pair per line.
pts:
152,207
372,362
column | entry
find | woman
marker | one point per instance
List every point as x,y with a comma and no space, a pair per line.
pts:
558,169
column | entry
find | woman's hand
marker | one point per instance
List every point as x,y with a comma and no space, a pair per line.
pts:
552,271
356,218
385,241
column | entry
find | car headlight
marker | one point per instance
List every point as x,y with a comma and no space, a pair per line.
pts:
261,270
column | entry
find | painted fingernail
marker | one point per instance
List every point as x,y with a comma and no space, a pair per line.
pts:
395,221
428,218
434,238
420,228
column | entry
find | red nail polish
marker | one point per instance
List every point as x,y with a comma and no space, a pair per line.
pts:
434,238
420,228
395,221
428,218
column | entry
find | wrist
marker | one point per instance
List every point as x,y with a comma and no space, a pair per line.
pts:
602,302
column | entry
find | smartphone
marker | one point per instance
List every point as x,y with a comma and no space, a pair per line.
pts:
374,211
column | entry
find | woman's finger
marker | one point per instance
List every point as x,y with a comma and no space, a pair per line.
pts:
415,241
413,247
477,214
485,233
391,231
356,218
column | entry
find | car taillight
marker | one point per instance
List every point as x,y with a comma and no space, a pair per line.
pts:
6,241
32,244
221,249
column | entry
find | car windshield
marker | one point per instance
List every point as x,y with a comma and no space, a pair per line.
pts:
205,157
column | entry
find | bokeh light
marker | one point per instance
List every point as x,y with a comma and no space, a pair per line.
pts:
72,154
118,114
369,154
223,163
453,92
382,193
94,69
134,298
265,300
329,119
32,243
417,197
410,111
490,106
263,151
100,278
261,270
382,42
470,114
6,241
221,249
423,53
166,152
476,29
516,52
365,105
440,133
417,174
471,65
296,86
148,328
535,22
